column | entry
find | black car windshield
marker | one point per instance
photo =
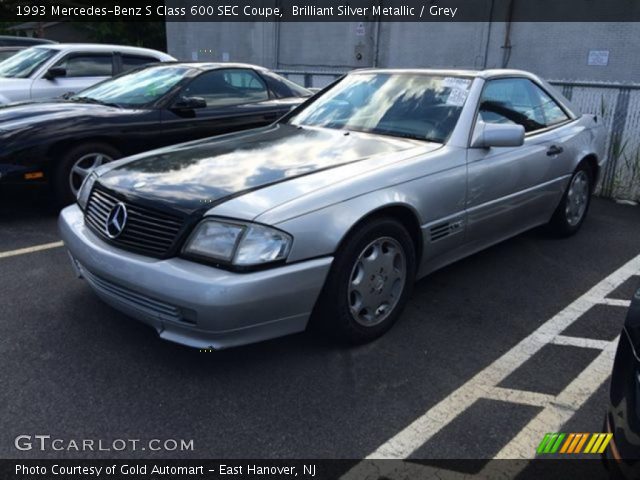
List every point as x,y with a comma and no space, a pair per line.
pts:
137,88
419,106
26,62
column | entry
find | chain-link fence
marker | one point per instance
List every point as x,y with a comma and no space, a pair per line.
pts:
617,105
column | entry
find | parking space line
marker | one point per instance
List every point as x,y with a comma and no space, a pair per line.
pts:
580,342
36,248
484,383
614,302
563,408
522,397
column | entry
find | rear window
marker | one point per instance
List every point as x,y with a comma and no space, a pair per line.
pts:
129,62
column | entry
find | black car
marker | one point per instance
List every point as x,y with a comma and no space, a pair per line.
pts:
623,418
59,142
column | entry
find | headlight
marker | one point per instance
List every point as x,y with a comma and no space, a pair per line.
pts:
237,243
85,190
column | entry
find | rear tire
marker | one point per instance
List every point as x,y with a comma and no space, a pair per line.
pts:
573,208
75,165
370,282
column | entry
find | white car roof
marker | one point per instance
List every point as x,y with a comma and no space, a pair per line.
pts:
101,47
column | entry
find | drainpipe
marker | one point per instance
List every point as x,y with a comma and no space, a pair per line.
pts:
506,47
486,47
277,40
376,52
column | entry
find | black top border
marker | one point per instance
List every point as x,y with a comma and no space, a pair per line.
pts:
426,11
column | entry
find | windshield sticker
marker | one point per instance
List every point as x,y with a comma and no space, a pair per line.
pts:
456,82
457,97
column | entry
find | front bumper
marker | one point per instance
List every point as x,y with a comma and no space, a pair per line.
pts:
193,304
18,174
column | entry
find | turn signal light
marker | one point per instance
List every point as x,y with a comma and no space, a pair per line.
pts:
33,175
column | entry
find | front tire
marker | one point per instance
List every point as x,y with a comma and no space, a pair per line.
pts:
75,165
573,208
370,281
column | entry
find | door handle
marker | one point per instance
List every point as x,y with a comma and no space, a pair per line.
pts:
554,150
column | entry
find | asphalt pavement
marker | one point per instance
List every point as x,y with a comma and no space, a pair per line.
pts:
74,368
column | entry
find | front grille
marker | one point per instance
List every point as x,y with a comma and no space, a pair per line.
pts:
146,231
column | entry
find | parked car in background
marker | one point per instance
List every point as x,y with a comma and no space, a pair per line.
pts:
11,41
6,52
48,71
12,45
59,142
336,209
623,418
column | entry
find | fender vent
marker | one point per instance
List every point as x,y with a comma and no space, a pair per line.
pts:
442,230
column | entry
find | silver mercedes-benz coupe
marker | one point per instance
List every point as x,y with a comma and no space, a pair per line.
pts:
331,213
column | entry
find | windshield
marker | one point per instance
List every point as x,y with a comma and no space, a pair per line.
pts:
420,106
24,63
137,88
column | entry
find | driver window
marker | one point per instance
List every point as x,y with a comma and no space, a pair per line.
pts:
511,100
227,87
88,65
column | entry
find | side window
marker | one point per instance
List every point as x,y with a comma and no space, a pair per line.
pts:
129,62
227,87
550,110
511,100
283,88
88,65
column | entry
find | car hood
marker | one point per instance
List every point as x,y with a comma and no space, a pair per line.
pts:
30,114
198,175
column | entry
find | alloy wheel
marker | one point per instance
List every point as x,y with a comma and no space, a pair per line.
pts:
83,167
377,281
577,198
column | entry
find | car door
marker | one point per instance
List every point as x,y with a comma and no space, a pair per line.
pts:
236,99
512,189
82,69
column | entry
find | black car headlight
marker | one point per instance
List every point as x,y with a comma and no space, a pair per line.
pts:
85,190
241,244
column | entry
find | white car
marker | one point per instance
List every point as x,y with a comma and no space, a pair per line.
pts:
48,71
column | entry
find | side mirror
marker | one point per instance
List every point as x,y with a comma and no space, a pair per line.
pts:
487,135
189,103
55,72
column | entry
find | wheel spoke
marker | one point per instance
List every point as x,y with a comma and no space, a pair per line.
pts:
97,161
83,172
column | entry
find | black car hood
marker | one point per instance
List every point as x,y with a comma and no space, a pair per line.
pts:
29,114
198,175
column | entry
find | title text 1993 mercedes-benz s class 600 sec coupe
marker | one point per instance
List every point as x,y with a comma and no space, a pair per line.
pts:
333,211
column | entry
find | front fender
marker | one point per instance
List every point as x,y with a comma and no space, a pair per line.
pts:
321,232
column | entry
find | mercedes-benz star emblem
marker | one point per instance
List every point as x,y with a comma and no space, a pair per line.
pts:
116,220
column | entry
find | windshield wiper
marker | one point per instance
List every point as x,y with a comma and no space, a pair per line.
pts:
393,133
94,101
407,135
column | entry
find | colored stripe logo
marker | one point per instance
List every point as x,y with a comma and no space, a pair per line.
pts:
574,443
